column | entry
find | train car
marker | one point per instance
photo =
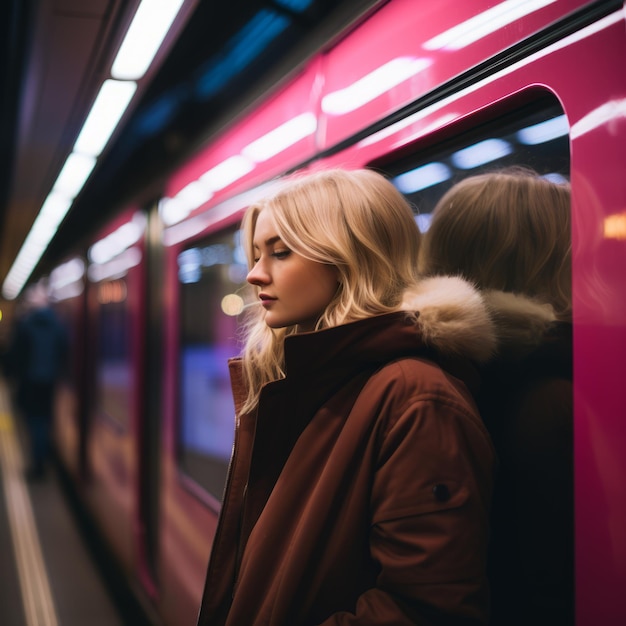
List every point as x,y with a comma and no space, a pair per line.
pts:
426,93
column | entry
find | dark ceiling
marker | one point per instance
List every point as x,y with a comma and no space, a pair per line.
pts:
56,53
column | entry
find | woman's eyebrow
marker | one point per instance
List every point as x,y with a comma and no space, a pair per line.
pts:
268,242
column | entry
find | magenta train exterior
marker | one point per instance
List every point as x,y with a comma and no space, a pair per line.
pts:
144,425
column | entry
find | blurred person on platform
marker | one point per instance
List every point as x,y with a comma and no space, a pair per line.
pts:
35,361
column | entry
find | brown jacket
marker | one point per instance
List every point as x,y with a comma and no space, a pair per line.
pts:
359,492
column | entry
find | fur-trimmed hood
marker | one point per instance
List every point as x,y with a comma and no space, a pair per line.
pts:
521,323
453,317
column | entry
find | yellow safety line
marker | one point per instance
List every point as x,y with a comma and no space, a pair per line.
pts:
36,595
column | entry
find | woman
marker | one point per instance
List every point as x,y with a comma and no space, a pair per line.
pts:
509,233
361,474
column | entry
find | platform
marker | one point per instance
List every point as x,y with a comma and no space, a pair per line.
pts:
48,576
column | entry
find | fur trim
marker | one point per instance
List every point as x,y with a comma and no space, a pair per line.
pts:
521,322
452,317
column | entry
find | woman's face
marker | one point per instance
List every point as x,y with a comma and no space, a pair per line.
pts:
292,289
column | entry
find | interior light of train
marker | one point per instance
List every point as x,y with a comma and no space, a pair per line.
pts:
281,138
192,260
556,178
372,85
115,268
119,240
484,24
232,304
66,280
423,221
605,114
112,292
75,172
615,226
189,266
145,35
107,109
68,291
481,153
422,177
544,131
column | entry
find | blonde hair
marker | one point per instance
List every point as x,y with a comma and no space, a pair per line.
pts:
356,221
508,230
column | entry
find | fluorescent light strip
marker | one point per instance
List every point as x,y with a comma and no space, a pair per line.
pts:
75,172
144,38
145,35
104,116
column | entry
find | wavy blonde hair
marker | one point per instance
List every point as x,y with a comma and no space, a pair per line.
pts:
508,230
356,221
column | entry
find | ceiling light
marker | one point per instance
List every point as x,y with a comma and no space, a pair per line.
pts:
144,38
104,116
75,172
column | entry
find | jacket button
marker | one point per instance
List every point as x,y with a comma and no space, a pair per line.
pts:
441,492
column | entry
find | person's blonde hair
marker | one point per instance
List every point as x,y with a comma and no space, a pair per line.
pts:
508,230
356,221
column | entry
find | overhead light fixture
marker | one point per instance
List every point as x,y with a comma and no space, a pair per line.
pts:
145,35
75,172
144,38
106,112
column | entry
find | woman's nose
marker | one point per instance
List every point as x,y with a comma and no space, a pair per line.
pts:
257,275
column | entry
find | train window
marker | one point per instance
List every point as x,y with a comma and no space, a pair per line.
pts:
211,274
113,363
535,137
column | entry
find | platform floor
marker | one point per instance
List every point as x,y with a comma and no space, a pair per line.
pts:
47,574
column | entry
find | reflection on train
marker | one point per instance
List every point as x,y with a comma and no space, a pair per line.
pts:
427,93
